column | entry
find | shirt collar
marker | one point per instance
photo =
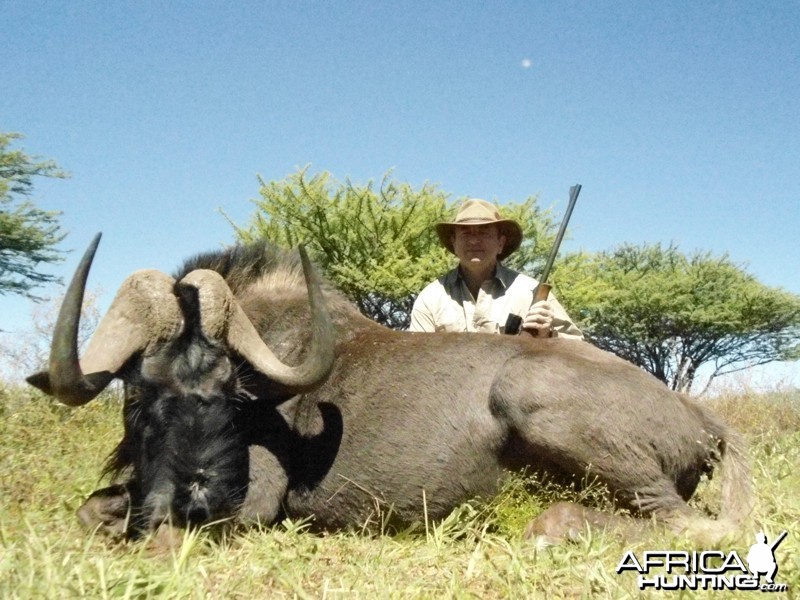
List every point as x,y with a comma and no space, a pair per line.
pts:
502,275
505,275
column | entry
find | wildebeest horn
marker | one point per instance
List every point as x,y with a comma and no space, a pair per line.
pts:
223,318
143,311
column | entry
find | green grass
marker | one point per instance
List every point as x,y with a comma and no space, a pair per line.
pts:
51,457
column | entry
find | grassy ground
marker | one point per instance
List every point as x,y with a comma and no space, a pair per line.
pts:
50,459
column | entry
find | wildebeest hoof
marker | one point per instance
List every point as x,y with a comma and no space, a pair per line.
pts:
107,510
563,522
165,539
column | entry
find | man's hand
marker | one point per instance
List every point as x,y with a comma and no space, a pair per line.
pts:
539,320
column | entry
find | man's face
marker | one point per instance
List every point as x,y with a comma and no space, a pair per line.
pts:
478,245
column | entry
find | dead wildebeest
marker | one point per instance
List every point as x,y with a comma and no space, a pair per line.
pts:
253,395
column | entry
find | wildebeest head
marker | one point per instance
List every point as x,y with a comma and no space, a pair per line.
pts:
174,345
182,435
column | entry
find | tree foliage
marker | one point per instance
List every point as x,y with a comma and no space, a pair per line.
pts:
376,243
28,235
671,313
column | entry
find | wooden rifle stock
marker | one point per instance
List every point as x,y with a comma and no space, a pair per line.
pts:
541,292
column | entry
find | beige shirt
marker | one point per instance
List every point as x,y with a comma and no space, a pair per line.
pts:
448,305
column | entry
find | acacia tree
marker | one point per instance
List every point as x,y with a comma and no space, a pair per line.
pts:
376,243
28,235
670,313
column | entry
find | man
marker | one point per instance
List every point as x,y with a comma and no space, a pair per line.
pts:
480,293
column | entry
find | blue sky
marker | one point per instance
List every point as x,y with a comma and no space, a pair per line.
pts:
681,120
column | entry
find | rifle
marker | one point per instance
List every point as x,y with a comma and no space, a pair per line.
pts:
542,291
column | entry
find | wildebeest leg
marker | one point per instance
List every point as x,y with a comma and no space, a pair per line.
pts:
569,435
567,521
266,489
107,510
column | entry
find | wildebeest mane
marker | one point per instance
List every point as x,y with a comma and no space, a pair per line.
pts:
243,264
260,272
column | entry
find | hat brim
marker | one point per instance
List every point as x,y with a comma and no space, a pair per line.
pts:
510,229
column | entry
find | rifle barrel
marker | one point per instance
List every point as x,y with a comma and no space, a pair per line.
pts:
573,197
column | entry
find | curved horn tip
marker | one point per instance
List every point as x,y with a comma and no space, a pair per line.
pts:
64,377
90,251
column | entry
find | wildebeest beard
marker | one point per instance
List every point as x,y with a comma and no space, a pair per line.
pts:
183,441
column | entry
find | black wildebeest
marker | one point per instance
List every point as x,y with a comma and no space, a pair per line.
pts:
256,391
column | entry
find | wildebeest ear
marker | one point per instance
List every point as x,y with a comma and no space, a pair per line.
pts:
41,380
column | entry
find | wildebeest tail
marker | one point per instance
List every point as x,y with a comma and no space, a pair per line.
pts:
737,501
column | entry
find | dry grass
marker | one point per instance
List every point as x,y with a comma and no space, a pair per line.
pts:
50,459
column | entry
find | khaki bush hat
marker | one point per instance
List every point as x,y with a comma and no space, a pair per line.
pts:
475,211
